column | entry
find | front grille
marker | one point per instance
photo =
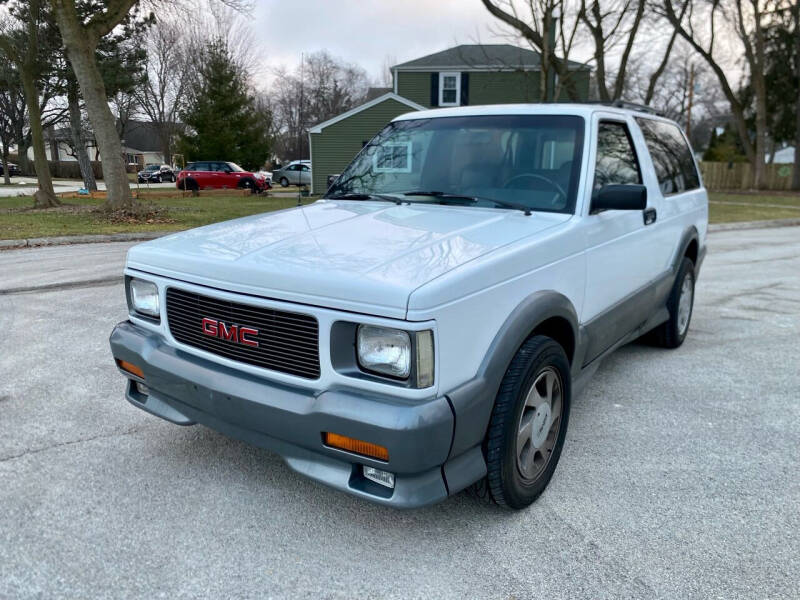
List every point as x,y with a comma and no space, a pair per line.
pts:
287,342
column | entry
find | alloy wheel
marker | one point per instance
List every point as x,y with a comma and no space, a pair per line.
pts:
685,303
539,423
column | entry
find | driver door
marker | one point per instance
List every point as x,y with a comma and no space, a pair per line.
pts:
620,263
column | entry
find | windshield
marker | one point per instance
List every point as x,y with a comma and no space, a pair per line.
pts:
235,168
152,168
530,161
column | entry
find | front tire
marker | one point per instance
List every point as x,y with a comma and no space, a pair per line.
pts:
247,184
680,306
528,423
284,182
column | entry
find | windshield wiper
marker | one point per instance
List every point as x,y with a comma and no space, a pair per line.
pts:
359,196
473,199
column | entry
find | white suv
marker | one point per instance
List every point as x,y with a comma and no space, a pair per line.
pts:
424,327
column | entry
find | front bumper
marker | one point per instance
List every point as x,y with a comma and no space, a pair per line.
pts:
187,389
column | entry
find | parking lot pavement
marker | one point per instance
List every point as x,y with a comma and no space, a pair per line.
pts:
679,477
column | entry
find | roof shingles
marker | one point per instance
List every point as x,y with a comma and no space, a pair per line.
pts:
479,56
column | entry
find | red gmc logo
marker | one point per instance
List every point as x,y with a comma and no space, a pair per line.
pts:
230,333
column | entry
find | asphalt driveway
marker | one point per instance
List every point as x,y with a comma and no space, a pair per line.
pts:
680,476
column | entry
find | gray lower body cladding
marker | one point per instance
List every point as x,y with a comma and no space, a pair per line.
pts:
186,389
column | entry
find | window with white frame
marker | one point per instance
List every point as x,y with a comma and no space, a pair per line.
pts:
449,89
392,158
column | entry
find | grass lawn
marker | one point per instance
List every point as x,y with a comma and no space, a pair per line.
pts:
82,215
727,207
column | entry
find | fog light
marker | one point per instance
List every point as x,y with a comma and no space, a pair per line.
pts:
382,477
142,389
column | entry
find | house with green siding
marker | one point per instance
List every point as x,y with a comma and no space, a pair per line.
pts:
460,76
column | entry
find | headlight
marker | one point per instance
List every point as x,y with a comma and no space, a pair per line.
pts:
144,297
385,351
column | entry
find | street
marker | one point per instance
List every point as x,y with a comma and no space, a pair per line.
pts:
679,477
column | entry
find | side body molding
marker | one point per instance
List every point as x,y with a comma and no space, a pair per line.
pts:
473,401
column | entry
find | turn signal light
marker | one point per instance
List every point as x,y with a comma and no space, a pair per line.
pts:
130,368
342,442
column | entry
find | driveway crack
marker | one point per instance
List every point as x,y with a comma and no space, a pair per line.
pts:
92,438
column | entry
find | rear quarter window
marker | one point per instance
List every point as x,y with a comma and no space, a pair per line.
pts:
671,155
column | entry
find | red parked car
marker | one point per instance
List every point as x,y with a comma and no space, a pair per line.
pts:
204,175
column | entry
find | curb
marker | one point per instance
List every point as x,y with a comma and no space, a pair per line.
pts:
753,225
82,239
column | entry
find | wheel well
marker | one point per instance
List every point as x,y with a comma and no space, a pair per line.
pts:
560,330
691,251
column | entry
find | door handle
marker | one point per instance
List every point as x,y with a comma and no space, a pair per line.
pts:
650,216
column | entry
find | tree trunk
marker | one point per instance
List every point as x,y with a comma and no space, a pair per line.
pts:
6,175
80,50
78,140
22,153
47,198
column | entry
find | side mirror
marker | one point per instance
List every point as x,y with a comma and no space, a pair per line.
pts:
619,197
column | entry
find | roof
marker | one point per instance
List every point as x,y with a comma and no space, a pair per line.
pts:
576,108
480,57
375,92
365,106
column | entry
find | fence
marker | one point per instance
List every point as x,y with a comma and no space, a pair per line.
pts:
738,176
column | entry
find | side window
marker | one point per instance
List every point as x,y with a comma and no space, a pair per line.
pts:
672,157
201,166
616,157
305,168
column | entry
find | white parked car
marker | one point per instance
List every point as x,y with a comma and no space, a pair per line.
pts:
425,326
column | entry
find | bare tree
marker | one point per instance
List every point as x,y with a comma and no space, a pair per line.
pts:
612,24
320,88
21,47
80,39
163,92
702,26
550,27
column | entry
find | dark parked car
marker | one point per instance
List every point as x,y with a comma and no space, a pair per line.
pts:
156,174
219,175
12,169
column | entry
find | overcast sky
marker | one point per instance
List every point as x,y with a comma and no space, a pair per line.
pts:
365,32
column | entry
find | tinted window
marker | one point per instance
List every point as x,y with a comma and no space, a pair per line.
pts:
672,157
616,157
201,166
191,167
529,160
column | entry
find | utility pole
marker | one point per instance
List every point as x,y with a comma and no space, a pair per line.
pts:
300,110
549,50
691,101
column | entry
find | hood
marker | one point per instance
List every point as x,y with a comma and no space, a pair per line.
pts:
359,256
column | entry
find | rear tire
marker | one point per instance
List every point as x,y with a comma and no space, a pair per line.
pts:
680,305
188,185
528,423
